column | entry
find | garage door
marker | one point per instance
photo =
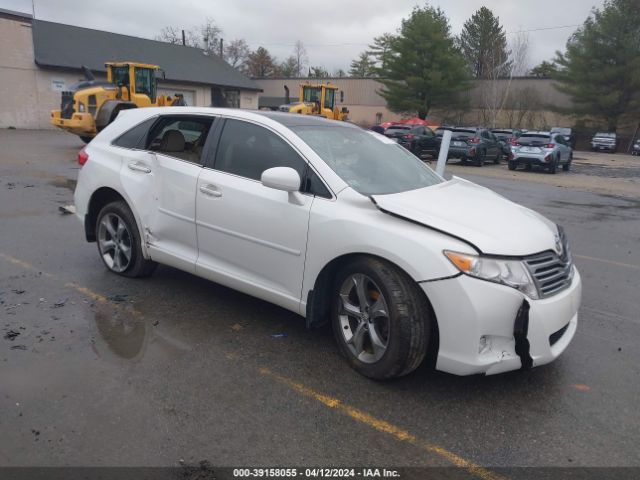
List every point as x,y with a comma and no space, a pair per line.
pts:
189,95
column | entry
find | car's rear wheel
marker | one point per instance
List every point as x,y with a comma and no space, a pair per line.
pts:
512,165
119,242
381,319
553,168
567,165
481,156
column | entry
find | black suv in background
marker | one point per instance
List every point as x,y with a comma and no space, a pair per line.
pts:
418,139
506,136
604,141
474,144
567,133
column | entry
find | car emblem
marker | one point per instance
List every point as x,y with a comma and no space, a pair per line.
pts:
558,245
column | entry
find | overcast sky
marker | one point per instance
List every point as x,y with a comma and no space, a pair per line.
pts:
333,31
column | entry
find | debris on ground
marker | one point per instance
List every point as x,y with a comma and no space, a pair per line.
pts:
11,335
156,323
11,185
18,291
60,303
236,327
118,297
18,347
279,335
67,209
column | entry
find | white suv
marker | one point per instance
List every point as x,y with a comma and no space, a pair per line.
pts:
339,225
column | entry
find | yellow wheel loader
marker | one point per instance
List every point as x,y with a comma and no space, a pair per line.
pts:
316,99
91,105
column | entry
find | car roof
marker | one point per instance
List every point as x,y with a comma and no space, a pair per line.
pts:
297,120
536,132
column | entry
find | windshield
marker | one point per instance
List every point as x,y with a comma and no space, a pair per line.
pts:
369,163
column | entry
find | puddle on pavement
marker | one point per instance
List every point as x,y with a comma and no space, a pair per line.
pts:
130,337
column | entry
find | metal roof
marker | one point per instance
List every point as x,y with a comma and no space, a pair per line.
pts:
65,46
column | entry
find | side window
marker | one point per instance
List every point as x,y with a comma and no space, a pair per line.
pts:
248,150
182,137
136,137
559,139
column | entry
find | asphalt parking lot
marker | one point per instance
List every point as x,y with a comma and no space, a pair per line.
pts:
100,370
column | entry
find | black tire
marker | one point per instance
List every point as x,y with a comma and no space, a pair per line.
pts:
512,165
137,266
498,157
85,139
553,168
409,319
528,167
567,166
480,158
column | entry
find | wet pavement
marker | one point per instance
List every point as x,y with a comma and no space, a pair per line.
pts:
96,369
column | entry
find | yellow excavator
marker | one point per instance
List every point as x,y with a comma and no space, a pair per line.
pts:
316,99
90,105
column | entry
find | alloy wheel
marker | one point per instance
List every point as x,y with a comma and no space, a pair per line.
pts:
114,241
364,318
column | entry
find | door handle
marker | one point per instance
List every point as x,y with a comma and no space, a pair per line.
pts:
136,167
211,191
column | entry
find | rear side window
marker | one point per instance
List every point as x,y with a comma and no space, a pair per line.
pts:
182,137
136,137
247,150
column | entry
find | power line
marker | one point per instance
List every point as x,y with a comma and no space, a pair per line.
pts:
544,28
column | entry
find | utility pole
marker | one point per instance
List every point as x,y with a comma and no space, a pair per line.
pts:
184,40
221,48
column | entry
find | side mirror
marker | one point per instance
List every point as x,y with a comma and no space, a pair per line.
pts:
281,178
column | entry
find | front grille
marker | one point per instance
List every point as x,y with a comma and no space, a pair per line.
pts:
554,337
551,272
66,107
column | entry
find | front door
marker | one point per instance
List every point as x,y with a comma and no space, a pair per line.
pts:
251,237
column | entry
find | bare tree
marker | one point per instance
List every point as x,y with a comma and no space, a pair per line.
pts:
236,53
302,60
206,36
496,87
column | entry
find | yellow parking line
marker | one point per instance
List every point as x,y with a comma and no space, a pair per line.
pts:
383,426
358,415
23,264
610,262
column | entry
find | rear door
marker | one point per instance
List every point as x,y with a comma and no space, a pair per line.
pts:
251,237
161,178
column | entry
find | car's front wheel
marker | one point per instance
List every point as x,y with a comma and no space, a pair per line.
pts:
381,319
119,242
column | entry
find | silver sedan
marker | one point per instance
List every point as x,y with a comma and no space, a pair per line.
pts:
541,149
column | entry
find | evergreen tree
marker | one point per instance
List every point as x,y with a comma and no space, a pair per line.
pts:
484,45
544,70
260,64
380,49
600,69
362,66
424,68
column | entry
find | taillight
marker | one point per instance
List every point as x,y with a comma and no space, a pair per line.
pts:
550,145
83,156
514,142
408,136
474,140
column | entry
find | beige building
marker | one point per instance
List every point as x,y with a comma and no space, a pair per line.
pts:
360,95
503,103
39,60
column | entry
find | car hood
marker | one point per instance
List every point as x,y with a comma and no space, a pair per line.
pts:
475,214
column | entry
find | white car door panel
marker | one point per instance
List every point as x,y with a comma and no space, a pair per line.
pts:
253,234
163,187
252,237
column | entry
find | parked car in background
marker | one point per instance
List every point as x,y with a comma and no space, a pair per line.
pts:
541,149
604,141
476,145
440,130
568,135
418,139
635,150
338,225
505,136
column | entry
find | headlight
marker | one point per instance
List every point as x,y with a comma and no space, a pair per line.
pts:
80,107
512,273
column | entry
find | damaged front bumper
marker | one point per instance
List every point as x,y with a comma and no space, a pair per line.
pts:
487,328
